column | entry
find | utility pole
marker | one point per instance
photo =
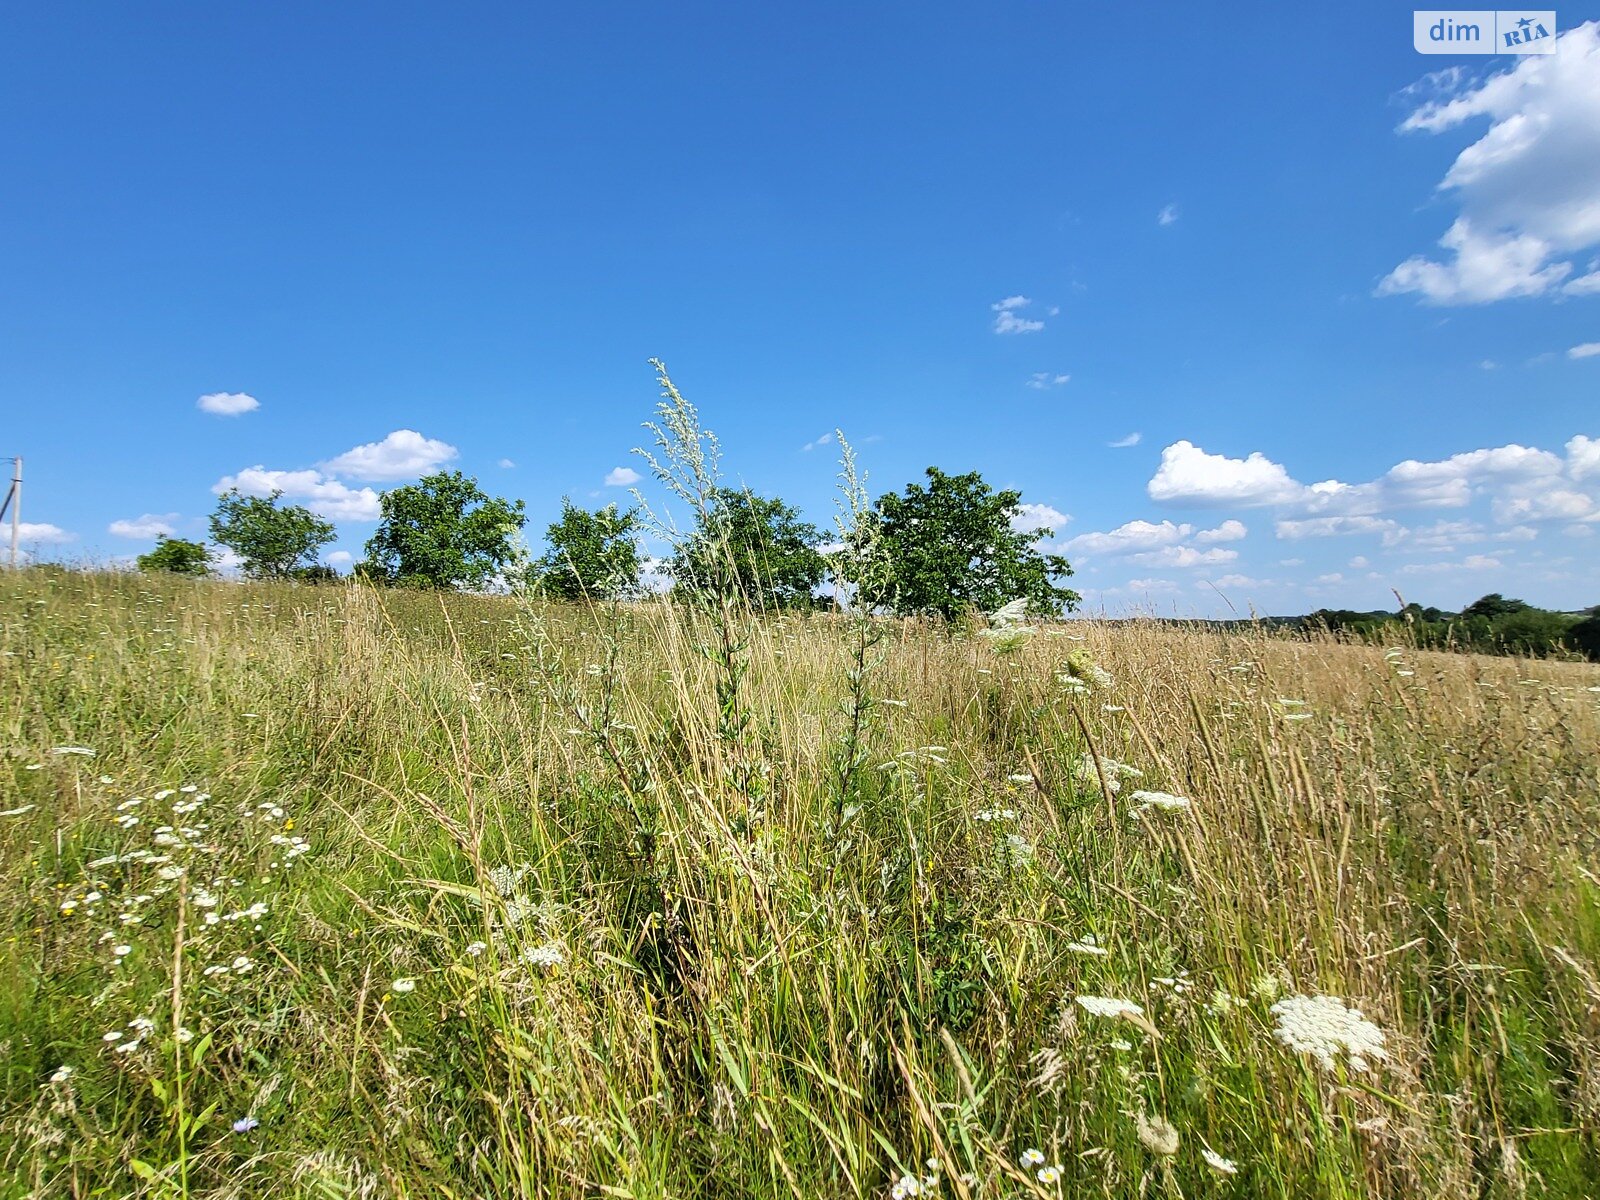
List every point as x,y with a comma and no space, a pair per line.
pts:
13,501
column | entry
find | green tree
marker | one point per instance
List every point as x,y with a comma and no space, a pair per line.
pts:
178,556
443,531
953,546
1493,605
1585,635
591,555
750,547
1531,631
273,542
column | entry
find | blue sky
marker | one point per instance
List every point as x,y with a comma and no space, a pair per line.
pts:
997,237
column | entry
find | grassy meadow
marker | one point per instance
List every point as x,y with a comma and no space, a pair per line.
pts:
332,892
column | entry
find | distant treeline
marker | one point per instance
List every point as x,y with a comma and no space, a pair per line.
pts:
1492,624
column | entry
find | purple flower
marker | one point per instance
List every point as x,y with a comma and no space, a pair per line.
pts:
245,1124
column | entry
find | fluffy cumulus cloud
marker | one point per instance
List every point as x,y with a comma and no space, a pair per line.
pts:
325,496
1519,479
1160,544
1032,518
1008,316
622,477
144,527
1527,191
37,534
227,404
1191,477
404,454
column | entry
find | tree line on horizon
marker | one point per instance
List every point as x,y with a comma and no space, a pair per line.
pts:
942,548
946,547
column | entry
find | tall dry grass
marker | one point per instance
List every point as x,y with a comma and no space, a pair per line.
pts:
652,901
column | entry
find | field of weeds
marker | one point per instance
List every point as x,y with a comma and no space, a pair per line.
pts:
338,893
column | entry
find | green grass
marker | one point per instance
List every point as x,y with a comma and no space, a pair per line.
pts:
772,956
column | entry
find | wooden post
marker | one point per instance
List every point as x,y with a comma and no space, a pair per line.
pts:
15,501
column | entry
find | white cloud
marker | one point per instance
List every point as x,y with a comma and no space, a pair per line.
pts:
1030,518
1513,476
1472,562
1528,189
1585,350
227,404
622,477
36,533
1122,443
1583,457
1359,563
322,495
1184,556
1190,476
1130,538
824,440
1167,215
505,464
1228,531
1043,380
404,454
1007,319
144,527
1332,527
339,558
1238,581
1149,585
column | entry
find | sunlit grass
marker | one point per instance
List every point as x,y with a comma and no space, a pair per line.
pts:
469,898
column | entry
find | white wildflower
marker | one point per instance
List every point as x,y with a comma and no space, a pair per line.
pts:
1158,1135
401,986
1109,1006
1222,1166
1161,801
1325,1028
1032,1158
551,954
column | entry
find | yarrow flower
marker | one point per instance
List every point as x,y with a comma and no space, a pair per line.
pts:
551,954
1158,1135
1161,801
1325,1028
401,986
1222,1166
1109,1006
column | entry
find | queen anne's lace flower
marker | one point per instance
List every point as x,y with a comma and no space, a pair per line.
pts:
1109,1006
1325,1028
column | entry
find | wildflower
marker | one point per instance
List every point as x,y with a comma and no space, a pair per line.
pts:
1222,1166
245,1124
122,951
1158,1135
1161,801
1109,1006
1049,1175
401,986
476,948
1087,945
1032,1158
548,955
61,1074
906,1186
114,1036
1019,849
1323,1027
